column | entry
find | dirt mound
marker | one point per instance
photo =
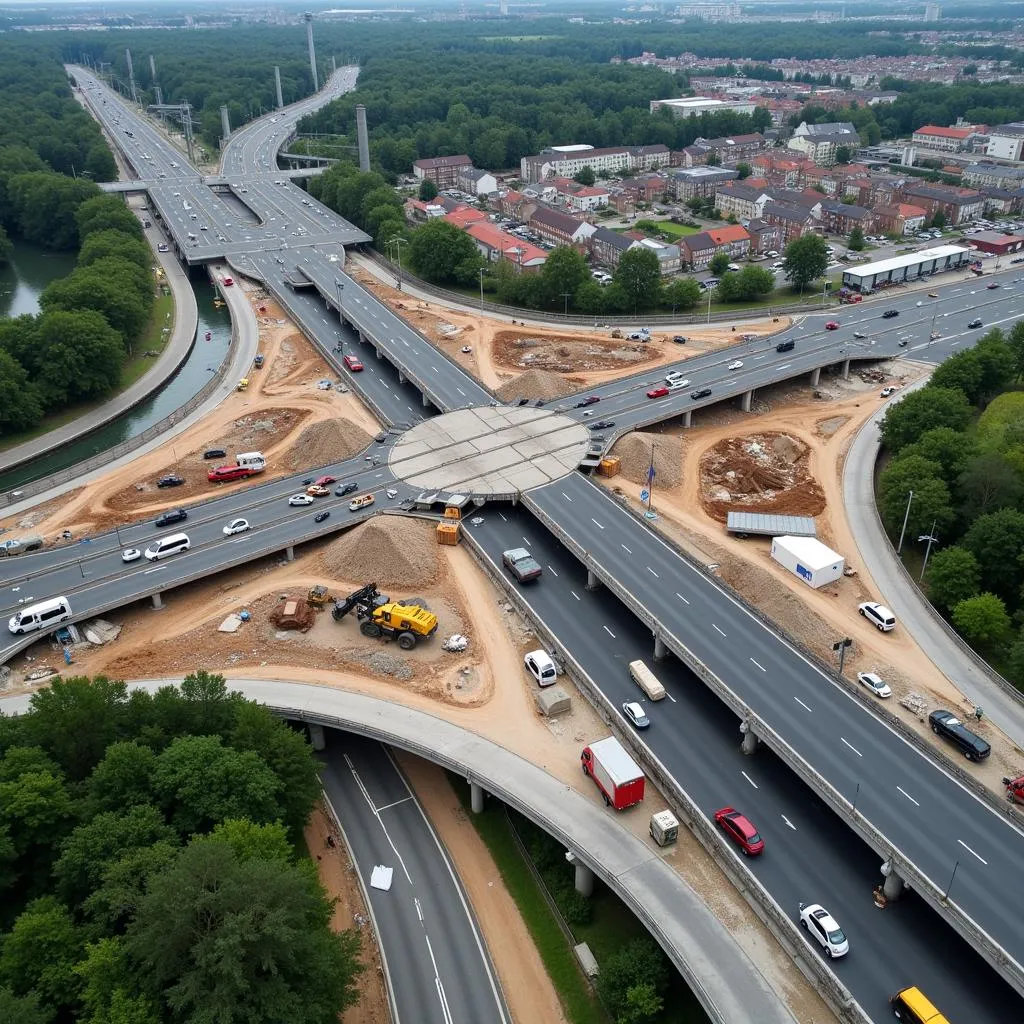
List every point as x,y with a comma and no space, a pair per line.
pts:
326,441
293,613
635,452
392,551
568,353
759,473
535,384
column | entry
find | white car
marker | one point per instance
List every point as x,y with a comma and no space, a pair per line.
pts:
236,526
541,667
634,712
300,499
886,392
878,614
673,376
875,683
824,928
131,555
736,364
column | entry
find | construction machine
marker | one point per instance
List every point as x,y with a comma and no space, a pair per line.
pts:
318,596
378,616
1015,789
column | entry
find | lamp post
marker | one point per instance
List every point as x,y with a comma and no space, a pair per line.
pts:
481,291
710,290
339,284
945,895
932,539
906,516
566,296
398,245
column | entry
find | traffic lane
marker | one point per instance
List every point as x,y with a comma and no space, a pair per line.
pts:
811,856
753,655
454,980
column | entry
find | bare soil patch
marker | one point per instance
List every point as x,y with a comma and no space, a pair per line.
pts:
392,551
534,384
324,442
568,353
639,449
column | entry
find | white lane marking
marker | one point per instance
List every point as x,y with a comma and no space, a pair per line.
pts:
789,823
908,796
460,391
653,573
802,704
760,666
671,698
596,523
386,807
376,814
552,571
574,594
749,779
624,548
969,850
609,632
681,598
566,496
503,519
851,746
158,568
526,540
719,630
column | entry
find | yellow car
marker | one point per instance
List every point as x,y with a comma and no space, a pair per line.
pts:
243,384
316,491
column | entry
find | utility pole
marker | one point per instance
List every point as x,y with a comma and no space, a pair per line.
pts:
566,296
899,547
481,291
932,539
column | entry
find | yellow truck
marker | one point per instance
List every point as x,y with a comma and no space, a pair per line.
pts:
243,384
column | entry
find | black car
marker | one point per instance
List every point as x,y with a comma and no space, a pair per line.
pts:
785,346
214,453
589,400
948,726
679,339
890,313
172,515
700,393
976,322
171,480
601,424
321,516
342,489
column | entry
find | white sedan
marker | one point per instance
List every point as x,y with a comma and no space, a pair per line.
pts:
131,555
236,526
736,365
300,499
824,928
540,665
875,683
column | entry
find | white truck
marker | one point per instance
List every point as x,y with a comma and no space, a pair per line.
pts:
254,461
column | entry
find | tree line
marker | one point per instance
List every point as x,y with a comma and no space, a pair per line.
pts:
958,445
151,862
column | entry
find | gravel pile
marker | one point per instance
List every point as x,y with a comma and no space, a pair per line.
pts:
391,551
635,452
327,441
535,384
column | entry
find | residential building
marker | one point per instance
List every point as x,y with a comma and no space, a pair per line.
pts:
1002,200
819,142
419,212
996,242
585,198
668,255
728,150
694,106
783,168
899,218
884,188
947,140
646,189
443,171
568,161
1006,141
495,244
741,199
699,249
516,205
465,216
792,221
476,182
958,205
764,237
689,182
978,175
606,246
842,218
560,228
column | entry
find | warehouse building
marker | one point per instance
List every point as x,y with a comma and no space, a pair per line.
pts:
998,243
871,276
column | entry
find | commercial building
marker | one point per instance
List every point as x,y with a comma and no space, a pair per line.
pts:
946,140
997,243
694,106
443,171
906,268
1006,141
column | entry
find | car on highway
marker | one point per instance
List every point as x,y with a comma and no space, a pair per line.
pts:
131,555
589,400
541,666
321,516
521,564
300,499
601,424
162,247
348,488
976,322
326,480
658,392
674,377
878,615
172,515
875,683
634,713
832,325
933,295
228,282
824,929
236,526
859,334
171,480
890,313
992,284
352,363
736,364
740,829
700,393
316,491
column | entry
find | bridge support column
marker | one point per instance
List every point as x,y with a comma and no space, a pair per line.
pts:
401,377
687,418
892,887
289,553
846,369
316,737
476,797
157,602
745,401
815,376
584,883
426,401
750,741
660,650
592,581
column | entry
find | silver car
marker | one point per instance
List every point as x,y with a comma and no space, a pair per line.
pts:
875,683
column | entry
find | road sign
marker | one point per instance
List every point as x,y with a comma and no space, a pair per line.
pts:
645,494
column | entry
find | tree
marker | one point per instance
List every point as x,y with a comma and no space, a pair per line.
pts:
681,293
85,288
637,964
855,242
1016,342
996,540
938,220
107,213
638,275
988,483
80,354
743,169
23,1009
923,410
216,938
585,176
953,576
110,243
107,980
746,285
931,502
427,191
713,159
1015,663
962,370
842,154
805,260
949,448
438,248
719,264
44,205
20,407
982,620
998,366
563,272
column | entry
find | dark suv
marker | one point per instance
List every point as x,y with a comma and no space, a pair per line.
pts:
171,480
785,346
949,727
171,516
700,393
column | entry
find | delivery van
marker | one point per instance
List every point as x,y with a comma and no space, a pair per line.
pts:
43,615
169,545
360,502
646,680
911,1005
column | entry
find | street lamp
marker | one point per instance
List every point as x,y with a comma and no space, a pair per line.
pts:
906,516
340,285
566,296
932,539
397,243
710,290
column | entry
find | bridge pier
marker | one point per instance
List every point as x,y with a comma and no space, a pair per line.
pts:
815,376
750,741
476,797
892,886
745,401
425,400
584,881
846,369
660,650
289,553
158,602
316,737
401,377
687,417
592,581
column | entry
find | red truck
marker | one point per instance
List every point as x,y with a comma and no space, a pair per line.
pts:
617,775
225,474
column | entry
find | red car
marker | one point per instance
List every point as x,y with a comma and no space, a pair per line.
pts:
228,282
832,325
740,830
326,480
353,363
657,392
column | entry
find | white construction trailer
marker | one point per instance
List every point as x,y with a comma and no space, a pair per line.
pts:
809,559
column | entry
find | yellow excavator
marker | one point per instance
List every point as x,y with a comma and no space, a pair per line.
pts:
390,620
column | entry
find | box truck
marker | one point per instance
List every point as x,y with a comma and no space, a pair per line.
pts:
255,462
617,775
809,559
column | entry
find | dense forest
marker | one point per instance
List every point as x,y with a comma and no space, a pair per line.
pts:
152,865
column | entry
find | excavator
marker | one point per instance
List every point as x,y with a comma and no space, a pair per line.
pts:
378,616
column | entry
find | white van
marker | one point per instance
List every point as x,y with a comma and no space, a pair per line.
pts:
646,680
169,545
43,615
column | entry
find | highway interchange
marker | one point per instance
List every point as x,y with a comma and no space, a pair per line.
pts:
935,821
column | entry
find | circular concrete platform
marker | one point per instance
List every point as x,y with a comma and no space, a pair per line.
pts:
489,450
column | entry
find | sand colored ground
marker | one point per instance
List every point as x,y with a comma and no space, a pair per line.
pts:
822,431
583,356
281,403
